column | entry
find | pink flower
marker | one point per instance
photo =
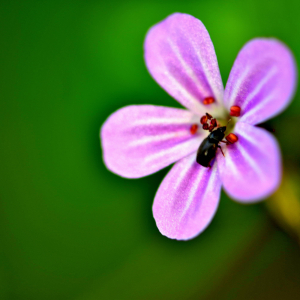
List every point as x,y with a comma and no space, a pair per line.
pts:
139,140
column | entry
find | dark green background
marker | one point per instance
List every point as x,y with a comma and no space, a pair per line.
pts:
70,229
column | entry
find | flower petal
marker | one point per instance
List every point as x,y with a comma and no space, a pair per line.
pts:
180,56
262,80
251,168
187,199
139,140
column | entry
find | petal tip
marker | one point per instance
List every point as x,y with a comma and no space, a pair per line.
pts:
181,58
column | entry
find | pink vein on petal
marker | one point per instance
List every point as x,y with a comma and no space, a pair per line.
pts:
187,199
262,80
181,58
139,140
251,168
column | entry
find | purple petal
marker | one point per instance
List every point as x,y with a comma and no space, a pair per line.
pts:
187,199
251,168
180,56
262,80
139,140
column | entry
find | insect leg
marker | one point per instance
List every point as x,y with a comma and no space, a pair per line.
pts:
226,142
221,150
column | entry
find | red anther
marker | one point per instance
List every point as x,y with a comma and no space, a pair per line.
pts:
208,100
231,138
235,111
208,116
194,128
205,126
211,127
203,120
213,122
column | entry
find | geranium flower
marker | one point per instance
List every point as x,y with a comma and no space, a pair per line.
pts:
139,140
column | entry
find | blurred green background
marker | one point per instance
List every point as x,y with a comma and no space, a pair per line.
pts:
70,229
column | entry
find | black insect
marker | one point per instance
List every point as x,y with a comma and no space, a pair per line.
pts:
209,146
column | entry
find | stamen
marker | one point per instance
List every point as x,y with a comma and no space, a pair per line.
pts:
208,100
205,126
208,122
208,116
235,111
194,128
211,127
203,120
231,138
